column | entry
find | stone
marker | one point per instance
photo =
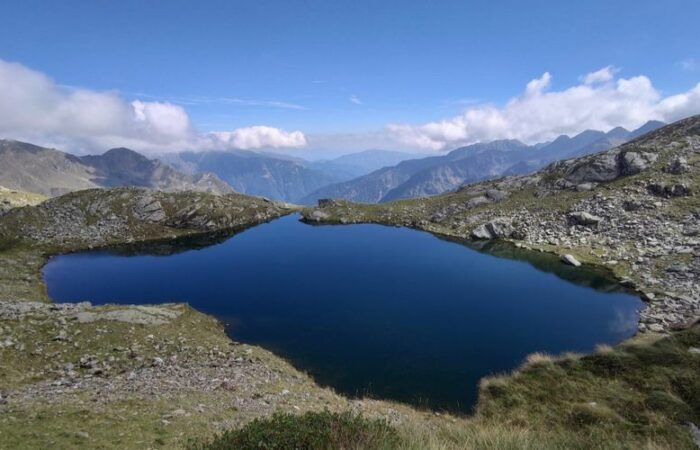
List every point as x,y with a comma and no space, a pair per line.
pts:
584,218
497,228
679,165
599,168
583,187
149,209
665,190
497,195
632,162
319,215
477,201
327,202
655,327
632,205
481,232
570,260
695,433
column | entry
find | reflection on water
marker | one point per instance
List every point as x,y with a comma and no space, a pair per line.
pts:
393,312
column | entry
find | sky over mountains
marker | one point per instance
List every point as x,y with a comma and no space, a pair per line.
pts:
339,77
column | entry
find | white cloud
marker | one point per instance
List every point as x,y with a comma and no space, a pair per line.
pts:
260,137
355,99
34,108
600,76
601,102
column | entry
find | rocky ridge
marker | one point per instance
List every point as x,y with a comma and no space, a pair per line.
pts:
104,217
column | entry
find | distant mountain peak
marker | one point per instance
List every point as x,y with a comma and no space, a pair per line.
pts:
648,127
124,153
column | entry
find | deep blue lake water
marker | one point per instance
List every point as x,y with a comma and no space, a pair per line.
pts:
367,309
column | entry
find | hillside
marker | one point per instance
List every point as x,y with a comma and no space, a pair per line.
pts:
10,198
439,174
51,172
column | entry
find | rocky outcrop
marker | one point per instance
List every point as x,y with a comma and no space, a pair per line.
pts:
632,162
149,209
101,217
608,166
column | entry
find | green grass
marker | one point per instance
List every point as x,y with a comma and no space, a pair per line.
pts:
640,392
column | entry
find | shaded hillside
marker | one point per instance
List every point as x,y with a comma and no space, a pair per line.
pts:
124,167
256,174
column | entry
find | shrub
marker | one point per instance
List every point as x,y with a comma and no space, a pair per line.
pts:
311,431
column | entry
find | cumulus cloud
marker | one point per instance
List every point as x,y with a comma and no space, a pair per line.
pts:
601,101
34,108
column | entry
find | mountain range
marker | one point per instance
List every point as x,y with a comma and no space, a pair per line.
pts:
281,177
371,176
434,175
52,172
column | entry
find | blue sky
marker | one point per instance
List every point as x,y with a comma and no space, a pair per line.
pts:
346,68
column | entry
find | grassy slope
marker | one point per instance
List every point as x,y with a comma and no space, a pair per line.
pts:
99,418
19,198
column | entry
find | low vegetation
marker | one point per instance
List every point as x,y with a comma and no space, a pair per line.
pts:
10,198
311,431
